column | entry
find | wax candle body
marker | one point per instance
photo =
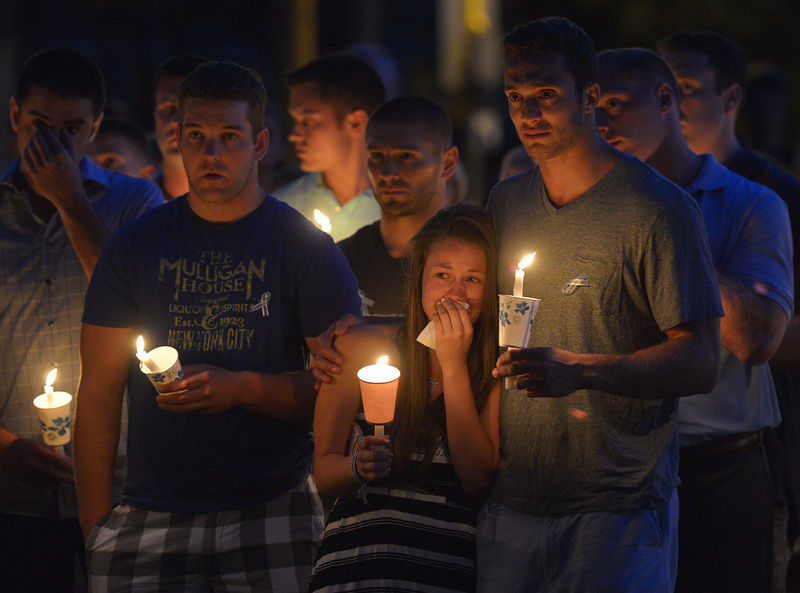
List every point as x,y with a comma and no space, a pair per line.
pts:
519,277
145,359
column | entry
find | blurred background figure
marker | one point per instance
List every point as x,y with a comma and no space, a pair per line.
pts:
384,64
121,145
275,170
711,70
171,177
515,161
330,101
458,184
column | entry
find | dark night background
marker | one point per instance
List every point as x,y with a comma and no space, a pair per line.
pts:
129,38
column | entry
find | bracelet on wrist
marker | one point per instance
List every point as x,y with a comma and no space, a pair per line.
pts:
354,470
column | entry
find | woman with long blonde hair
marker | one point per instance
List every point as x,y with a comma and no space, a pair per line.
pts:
405,513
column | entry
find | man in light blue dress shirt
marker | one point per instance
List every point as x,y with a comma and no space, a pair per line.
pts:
330,101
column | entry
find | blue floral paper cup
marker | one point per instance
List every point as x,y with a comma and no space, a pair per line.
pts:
516,320
55,417
167,363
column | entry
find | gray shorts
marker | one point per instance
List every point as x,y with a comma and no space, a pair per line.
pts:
267,547
621,551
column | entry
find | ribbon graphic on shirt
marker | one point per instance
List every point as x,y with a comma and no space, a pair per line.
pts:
571,286
262,304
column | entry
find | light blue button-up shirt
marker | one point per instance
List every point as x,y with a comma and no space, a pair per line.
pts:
309,193
42,287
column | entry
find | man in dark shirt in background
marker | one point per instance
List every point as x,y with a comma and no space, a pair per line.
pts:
410,157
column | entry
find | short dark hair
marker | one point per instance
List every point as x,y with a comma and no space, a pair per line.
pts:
179,66
346,81
418,110
66,72
556,35
727,59
122,126
643,65
226,81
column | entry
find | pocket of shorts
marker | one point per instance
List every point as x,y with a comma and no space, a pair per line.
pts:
486,528
106,521
602,295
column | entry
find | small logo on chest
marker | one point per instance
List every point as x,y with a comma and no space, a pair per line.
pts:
262,304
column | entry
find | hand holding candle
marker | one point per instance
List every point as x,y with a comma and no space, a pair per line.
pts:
379,392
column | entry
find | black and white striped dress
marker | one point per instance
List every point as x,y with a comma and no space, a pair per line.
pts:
403,537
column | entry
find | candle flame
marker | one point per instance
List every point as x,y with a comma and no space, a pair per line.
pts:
383,360
323,221
51,378
140,344
526,261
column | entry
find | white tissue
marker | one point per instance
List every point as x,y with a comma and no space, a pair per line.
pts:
427,337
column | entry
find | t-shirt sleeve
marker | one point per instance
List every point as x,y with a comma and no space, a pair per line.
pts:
134,197
679,273
762,257
326,287
151,197
109,301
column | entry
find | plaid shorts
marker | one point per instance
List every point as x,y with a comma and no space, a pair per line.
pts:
267,547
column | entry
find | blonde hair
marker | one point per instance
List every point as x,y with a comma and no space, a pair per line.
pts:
416,421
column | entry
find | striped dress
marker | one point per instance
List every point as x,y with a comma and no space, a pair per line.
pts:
418,537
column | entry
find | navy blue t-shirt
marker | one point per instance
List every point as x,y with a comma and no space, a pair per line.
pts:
240,296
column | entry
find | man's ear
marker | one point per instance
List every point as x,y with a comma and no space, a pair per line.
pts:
262,143
96,125
356,122
14,112
666,98
147,171
733,98
449,161
591,97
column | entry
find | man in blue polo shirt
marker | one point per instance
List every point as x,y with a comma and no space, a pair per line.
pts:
725,528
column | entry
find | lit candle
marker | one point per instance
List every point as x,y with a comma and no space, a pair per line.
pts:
144,357
519,275
323,221
48,386
379,392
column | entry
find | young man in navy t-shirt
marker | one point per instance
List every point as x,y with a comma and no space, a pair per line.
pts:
237,282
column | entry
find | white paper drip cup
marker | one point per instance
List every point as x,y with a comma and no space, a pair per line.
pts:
167,364
55,416
516,321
